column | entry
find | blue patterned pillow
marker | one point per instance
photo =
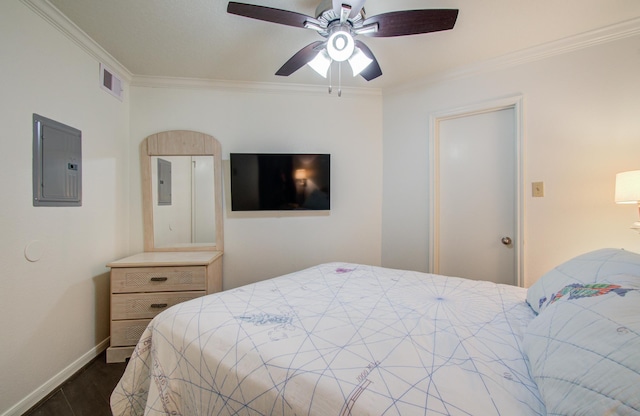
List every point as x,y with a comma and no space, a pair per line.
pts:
587,268
584,349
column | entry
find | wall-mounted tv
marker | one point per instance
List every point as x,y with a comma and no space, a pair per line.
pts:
278,182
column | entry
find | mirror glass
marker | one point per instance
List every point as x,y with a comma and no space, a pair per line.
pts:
183,197
181,172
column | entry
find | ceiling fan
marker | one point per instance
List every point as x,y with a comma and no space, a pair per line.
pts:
340,22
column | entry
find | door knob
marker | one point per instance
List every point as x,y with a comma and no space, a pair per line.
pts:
506,241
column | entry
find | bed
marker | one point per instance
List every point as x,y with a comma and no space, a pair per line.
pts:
352,339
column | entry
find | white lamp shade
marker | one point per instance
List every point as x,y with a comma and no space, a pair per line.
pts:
359,61
321,63
628,187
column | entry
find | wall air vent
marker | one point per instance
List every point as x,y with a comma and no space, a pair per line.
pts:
110,82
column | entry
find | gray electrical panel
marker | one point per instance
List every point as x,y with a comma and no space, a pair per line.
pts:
57,164
164,182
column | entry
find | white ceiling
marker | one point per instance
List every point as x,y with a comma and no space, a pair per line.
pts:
198,39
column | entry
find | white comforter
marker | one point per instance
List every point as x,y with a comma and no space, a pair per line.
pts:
337,339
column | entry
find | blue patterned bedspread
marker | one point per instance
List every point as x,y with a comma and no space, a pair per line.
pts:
337,339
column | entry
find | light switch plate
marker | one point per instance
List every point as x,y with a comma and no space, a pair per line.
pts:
537,189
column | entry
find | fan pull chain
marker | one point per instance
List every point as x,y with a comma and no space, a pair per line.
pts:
339,79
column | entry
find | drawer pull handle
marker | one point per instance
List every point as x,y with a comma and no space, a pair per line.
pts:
158,305
159,279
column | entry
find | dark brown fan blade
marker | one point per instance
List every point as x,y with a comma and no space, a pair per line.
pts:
300,59
412,22
373,70
268,14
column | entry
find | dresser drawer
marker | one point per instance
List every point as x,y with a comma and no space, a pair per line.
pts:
127,332
147,305
157,279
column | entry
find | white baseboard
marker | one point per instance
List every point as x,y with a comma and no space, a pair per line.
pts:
41,392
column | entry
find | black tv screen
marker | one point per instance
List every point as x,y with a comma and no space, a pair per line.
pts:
275,182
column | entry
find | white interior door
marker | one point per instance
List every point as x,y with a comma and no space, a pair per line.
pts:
476,196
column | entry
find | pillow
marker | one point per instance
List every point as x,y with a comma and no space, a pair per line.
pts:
584,349
587,268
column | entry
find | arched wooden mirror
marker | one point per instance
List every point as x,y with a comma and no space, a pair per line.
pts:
182,192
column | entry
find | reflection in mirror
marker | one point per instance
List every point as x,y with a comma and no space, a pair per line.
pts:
187,220
163,178
192,220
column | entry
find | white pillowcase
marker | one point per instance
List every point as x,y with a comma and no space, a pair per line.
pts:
587,268
584,349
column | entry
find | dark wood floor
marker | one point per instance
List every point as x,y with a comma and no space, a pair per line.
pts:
86,393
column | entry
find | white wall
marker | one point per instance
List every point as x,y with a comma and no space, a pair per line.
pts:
581,128
266,119
56,310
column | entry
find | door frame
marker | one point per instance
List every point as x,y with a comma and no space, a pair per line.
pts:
512,102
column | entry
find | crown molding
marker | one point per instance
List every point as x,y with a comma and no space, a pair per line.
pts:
569,44
65,26
262,87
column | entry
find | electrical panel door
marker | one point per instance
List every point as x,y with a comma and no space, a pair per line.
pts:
57,163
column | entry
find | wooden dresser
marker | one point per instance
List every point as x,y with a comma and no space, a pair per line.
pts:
148,283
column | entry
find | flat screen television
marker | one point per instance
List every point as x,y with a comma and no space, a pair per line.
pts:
279,182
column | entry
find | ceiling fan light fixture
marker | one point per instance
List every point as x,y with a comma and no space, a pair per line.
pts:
359,61
321,63
340,45
339,22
